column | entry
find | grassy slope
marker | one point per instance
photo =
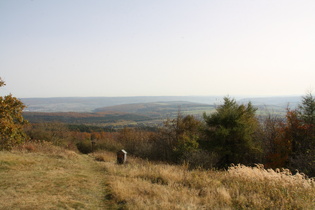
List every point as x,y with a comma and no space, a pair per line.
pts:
50,179
53,178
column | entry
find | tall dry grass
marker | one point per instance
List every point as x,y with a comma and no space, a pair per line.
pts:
42,176
145,185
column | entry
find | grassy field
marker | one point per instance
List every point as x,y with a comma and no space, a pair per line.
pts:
41,176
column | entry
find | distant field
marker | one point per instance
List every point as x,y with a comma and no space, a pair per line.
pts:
160,109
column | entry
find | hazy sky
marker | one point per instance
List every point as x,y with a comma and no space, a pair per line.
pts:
52,48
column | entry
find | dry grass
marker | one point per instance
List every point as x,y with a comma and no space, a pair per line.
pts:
41,176
143,185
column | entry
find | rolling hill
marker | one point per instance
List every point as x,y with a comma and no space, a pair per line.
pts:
136,111
140,114
88,104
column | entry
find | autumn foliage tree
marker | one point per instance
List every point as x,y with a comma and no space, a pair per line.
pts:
177,137
135,141
11,121
278,135
187,133
293,146
303,140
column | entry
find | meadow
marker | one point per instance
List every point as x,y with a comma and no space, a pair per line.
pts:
38,175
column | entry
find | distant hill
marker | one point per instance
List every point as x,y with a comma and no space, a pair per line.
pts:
280,101
89,104
138,114
137,111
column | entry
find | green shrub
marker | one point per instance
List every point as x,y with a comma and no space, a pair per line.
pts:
85,146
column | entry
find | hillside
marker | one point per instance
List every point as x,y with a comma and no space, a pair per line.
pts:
42,176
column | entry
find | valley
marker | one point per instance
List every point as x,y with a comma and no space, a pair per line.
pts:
117,112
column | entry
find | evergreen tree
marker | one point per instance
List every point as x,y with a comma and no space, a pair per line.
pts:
230,132
307,109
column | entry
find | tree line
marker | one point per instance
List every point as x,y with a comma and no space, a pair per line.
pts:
232,134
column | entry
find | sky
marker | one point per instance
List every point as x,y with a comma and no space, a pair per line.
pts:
79,48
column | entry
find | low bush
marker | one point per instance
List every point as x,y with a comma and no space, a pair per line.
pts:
85,146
